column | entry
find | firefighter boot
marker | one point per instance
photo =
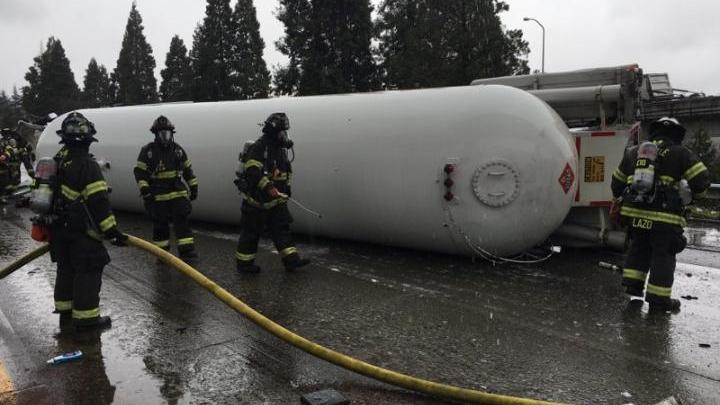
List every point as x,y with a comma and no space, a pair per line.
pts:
294,262
665,305
101,322
247,267
188,254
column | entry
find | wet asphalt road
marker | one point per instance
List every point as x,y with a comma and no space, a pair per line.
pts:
560,331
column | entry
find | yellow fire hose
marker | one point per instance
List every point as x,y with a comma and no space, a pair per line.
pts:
388,376
24,260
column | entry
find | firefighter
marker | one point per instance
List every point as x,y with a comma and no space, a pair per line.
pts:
649,182
81,219
6,154
267,175
161,168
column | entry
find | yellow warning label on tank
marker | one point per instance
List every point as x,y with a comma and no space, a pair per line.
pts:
594,169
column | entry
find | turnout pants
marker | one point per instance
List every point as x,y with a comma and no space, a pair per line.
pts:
80,262
175,211
254,221
653,251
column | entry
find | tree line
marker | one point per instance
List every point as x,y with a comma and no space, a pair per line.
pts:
332,46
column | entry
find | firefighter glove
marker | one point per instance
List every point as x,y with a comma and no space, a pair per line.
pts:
120,239
147,196
274,193
193,193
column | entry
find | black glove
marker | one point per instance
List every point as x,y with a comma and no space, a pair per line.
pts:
120,239
148,197
193,194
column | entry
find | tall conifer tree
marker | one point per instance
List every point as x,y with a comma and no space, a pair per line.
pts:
177,75
51,84
328,43
430,43
294,14
96,86
211,56
135,71
251,79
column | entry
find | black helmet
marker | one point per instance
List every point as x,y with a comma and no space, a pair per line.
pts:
276,122
669,127
160,123
75,127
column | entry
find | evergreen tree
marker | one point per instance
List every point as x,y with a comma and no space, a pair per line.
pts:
212,52
430,43
294,14
51,84
251,79
135,67
328,44
339,59
96,86
177,75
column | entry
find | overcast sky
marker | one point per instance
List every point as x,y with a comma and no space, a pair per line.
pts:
680,38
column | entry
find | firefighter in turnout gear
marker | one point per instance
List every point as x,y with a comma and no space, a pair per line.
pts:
651,181
161,168
266,178
80,218
6,156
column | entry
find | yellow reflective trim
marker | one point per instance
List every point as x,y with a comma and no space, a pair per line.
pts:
187,163
667,180
86,314
171,196
264,181
288,251
245,257
659,291
63,305
619,175
253,163
69,193
700,195
95,187
143,183
185,241
633,274
165,175
141,165
193,182
161,243
108,223
629,179
694,170
653,215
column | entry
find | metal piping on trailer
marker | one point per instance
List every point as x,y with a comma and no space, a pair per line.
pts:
381,374
575,95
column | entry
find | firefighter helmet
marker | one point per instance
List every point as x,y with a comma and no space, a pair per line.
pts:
276,122
160,123
669,127
75,127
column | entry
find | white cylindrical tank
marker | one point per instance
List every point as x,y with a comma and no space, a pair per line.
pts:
373,163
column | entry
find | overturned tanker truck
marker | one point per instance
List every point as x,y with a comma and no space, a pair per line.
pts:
487,170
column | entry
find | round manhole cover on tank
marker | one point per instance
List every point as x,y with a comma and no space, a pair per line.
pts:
496,183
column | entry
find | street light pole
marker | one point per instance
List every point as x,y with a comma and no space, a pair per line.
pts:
543,40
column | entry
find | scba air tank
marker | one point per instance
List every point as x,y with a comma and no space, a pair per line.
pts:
375,165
